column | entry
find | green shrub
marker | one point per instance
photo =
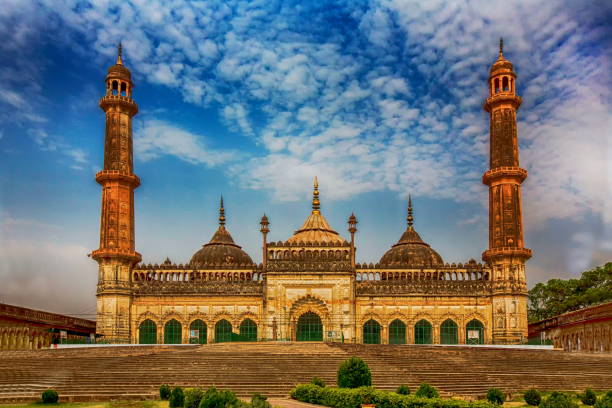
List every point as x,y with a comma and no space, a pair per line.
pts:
426,391
354,373
177,398
354,397
164,392
589,397
496,396
193,396
558,400
260,401
317,381
49,397
533,397
403,390
605,401
214,398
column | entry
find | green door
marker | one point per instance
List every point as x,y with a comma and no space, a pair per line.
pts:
147,332
371,332
397,332
309,327
200,326
223,331
173,332
474,332
422,332
248,330
449,333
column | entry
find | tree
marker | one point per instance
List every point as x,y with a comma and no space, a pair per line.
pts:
558,296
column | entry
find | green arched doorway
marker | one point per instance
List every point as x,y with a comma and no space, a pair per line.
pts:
248,330
173,332
449,332
474,332
371,332
197,332
397,332
422,332
309,327
223,331
147,332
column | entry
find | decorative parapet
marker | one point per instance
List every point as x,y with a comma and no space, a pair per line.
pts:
311,265
219,288
431,287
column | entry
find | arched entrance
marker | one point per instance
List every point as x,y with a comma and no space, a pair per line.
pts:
248,330
147,332
173,332
200,332
223,331
474,332
449,333
397,332
371,332
422,332
309,327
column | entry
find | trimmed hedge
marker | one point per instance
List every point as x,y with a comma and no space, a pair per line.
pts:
403,390
317,381
214,398
496,396
177,398
605,401
589,397
193,396
427,391
354,373
354,397
164,392
49,397
533,397
558,400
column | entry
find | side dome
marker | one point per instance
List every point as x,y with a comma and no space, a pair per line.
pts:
410,250
221,250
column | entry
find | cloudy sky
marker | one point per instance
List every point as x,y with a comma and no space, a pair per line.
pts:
252,99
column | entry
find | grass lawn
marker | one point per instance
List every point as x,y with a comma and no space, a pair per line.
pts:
108,404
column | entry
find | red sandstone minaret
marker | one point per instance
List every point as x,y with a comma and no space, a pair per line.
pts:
506,254
116,254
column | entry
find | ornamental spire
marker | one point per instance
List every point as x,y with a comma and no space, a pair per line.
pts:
221,214
316,204
410,218
119,54
501,46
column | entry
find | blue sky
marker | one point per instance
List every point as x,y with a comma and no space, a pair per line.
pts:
253,99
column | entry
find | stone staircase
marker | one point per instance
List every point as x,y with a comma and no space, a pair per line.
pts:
88,374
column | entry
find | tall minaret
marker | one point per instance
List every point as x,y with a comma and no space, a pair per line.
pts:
506,254
116,254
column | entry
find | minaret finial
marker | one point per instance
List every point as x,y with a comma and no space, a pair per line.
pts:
221,213
410,218
501,46
316,204
119,54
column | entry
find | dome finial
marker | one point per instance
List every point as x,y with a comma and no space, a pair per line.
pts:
316,204
221,213
410,218
119,54
501,46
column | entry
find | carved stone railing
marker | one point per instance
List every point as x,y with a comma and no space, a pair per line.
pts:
222,288
432,287
310,266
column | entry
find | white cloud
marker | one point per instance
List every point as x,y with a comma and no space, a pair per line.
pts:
155,138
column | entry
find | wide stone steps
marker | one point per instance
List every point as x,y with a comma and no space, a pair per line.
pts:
272,369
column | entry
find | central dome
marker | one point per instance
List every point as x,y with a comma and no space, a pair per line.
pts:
221,250
316,228
410,250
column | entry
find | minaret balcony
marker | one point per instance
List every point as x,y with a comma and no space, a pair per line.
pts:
116,253
505,173
506,97
493,254
125,101
116,175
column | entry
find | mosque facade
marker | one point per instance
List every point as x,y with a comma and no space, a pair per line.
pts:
310,287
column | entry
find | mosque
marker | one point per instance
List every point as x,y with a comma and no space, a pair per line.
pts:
309,287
